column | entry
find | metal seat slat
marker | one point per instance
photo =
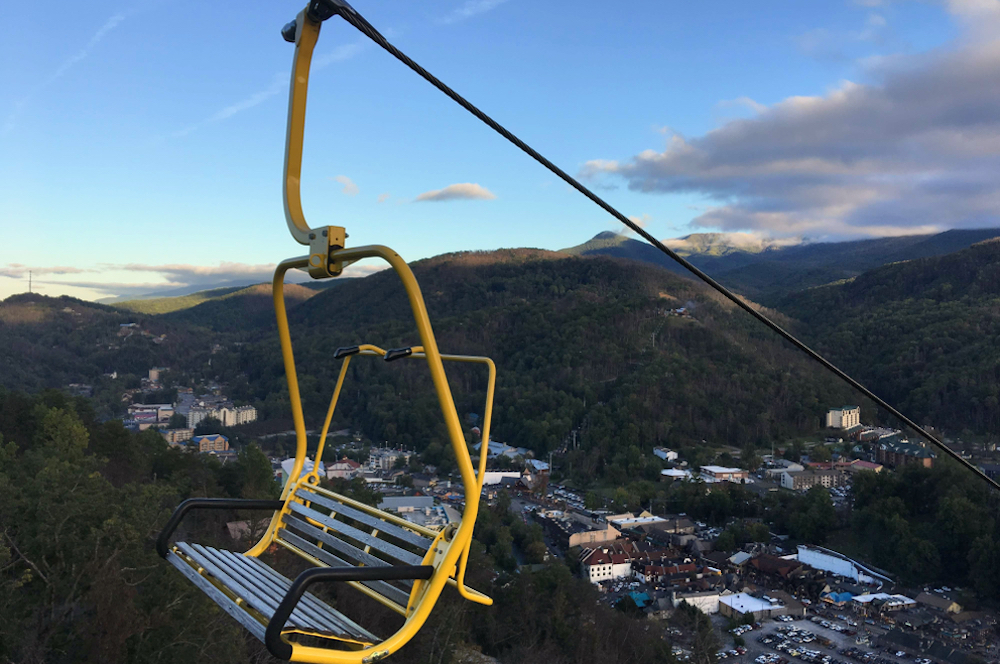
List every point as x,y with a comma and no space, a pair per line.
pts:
217,596
261,574
261,603
359,556
246,589
367,519
367,539
232,571
342,622
382,587
264,579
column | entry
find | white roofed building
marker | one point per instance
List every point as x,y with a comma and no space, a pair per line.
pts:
742,604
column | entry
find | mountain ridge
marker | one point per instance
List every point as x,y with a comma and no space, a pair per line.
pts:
770,274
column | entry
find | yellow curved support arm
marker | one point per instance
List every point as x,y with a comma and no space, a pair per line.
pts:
448,560
418,352
306,35
319,240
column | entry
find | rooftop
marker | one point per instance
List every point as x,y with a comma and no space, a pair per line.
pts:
721,469
744,603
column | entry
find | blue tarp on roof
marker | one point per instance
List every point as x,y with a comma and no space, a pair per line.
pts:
839,598
640,599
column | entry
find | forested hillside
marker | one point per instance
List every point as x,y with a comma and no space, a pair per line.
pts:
587,344
81,504
923,334
51,342
591,345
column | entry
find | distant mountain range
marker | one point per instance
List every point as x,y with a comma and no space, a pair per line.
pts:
581,331
767,271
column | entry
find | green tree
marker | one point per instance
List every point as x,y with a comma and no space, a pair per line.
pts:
820,453
177,421
207,426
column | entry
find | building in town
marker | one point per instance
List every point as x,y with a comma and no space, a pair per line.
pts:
707,601
828,560
713,474
345,469
665,454
846,417
176,436
592,538
898,453
806,479
609,561
213,442
741,605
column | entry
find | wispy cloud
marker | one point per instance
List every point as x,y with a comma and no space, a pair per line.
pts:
382,198
174,278
455,192
65,66
19,271
915,151
743,102
279,84
341,53
842,45
350,188
469,9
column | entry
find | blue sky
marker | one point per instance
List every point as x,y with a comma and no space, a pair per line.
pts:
141,141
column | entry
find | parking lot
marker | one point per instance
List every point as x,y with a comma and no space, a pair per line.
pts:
810,642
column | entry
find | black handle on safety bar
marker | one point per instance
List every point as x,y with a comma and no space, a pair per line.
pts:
272,637
209,504
344,351
397,353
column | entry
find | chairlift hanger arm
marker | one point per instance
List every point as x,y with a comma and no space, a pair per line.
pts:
304,31
325,9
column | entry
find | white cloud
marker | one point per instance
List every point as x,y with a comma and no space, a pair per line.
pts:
350,188
469,9
382,198
918,150
462,191
639,220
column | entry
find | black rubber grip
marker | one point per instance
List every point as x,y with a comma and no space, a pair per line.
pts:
396,353
272,637
344,351
209,504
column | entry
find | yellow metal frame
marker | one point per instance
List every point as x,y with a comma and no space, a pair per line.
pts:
327,256
417,352
449,553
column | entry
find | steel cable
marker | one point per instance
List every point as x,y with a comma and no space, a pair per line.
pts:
350,15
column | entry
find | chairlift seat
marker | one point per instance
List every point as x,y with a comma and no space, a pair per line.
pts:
330,531
402,565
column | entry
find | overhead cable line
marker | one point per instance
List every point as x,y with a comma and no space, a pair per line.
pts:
324,9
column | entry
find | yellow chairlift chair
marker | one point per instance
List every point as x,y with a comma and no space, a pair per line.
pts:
400,564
